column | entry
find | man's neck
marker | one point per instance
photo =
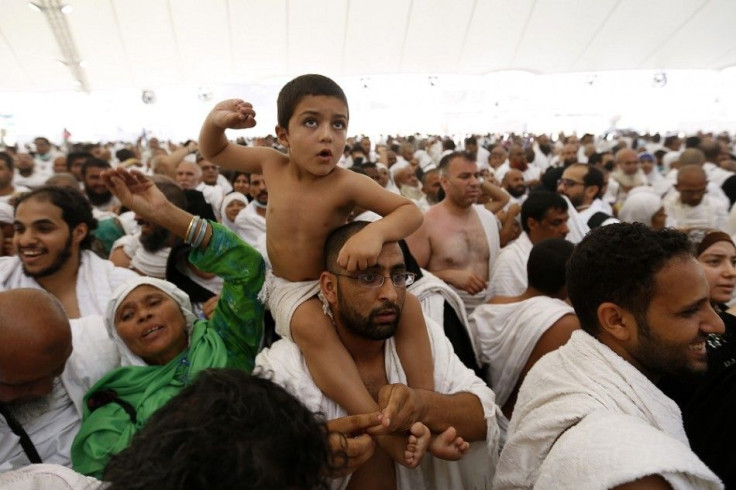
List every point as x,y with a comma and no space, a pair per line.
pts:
25,172
454,209
7,190
63,279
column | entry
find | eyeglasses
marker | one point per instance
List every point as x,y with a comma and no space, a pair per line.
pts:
569,182
370,280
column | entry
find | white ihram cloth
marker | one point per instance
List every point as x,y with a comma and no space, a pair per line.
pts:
52,427
284,364
47,477
584,378
432,292
96,280
508,277
283,298
507,334
490,228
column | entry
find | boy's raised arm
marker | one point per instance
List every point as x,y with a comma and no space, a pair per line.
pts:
215,147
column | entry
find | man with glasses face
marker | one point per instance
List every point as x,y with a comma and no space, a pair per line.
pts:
366,307
583,185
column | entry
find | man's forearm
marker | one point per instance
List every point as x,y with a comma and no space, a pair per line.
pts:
463,411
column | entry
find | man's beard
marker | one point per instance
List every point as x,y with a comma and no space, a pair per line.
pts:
365,326
546,149
156,240
516,191
97,198
61,259
27,411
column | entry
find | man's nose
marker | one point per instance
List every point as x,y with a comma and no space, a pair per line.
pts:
388,290
713,323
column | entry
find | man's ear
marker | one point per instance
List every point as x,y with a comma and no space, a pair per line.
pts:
591,191
532,224
616,321
282,136
79,233
328,286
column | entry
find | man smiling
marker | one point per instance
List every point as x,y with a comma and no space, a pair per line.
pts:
53,227
644,307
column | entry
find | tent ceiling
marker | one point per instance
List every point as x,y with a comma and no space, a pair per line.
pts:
154,43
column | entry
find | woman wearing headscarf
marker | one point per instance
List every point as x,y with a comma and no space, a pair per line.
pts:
708,402
643,205
232,204
161,343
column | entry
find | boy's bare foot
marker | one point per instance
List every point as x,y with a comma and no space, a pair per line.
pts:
448,446
419,439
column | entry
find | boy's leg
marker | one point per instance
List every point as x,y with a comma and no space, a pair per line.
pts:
334,371
412,345
331,366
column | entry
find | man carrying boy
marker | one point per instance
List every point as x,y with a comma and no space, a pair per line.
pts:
309,196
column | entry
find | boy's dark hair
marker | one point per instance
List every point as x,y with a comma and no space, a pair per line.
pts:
445,161
617,263
337,238
537,204
227,429
94,163
5,157
75,208
545,269
293,92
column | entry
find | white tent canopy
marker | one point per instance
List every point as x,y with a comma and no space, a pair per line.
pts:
114,49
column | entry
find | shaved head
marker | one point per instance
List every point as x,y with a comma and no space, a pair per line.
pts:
35,342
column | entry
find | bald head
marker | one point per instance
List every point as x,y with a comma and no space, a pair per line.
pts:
691,184
35,343
692,156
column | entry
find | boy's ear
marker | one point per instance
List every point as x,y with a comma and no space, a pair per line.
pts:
282,136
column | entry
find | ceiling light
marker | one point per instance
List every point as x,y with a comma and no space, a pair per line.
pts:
67,9
83,64
35,7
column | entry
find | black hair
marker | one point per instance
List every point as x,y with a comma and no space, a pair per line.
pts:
227,429
5,157
594,177
96,163
294,91
445,161
537,204
124,154
77,155
75,208
337,238
448,144
471,141
545,269
617,263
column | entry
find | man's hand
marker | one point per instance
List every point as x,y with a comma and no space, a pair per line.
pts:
348,439
233,114
400,407
208,307
463,279
360,251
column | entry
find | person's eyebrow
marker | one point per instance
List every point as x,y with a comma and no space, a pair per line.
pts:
694,305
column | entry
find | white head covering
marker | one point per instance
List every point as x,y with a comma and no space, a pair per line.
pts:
127,358
233,196
640,205
7,213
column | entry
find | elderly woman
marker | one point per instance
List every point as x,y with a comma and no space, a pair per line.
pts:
232,204
708,402
161,343
643,205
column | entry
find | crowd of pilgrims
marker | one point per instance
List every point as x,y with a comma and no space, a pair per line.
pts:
684,182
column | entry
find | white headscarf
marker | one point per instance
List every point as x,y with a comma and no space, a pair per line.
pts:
127,358
640,205
233,196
